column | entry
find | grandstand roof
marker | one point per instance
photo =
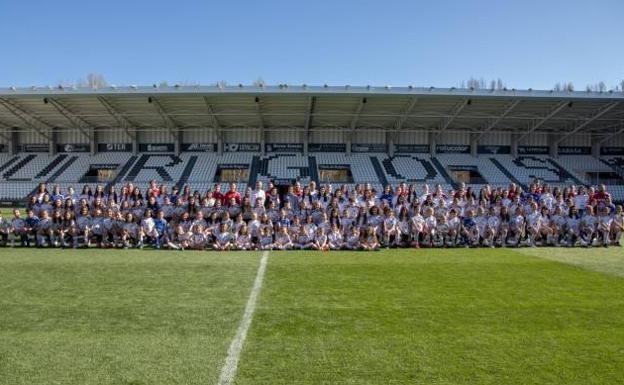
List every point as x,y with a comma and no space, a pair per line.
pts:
314,107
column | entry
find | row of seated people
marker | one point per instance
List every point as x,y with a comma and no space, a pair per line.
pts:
323,218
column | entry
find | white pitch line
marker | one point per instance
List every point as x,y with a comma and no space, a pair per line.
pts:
228,371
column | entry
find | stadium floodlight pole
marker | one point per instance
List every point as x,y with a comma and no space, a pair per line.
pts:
85,128
128,127
35,123
308,122
171,125
216,125
588,121
538,123
497,120
353,123
456,111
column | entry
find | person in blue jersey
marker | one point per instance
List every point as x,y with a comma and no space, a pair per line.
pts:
470,230
387,195
160,227
31,225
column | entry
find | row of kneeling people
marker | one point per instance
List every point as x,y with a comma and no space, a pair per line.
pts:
487,227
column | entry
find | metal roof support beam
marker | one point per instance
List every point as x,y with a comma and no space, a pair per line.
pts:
497,120
587,121
353,124
170,124
85,128
42,128
392,136
123,122
398,124
6,132
540,122
308,123
447,122
216,125
260,125
10,136
620,131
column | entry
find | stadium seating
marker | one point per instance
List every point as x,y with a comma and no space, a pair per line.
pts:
20,174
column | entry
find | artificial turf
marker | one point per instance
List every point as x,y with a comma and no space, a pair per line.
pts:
462,316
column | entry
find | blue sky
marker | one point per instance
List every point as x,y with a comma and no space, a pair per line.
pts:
527,43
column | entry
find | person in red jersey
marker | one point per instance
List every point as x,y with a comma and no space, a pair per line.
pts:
153,189
232,194
600,197
217,194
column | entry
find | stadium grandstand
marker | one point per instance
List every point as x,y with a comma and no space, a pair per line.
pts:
201,135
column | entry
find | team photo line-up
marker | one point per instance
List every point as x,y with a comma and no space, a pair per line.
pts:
322,218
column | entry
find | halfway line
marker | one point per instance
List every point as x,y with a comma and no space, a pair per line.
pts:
228,371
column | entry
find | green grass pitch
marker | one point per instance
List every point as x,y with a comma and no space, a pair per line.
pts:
462,316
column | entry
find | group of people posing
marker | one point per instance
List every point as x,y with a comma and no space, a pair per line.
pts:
322,218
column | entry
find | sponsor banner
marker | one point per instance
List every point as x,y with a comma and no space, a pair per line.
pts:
114,147
574,150
199,147
156,147
73,147
241,147
453,149
282,182
233,166
327,147
283,147
34,147
374,147
535,150
462,168
612,151
334,167
411,148
485,149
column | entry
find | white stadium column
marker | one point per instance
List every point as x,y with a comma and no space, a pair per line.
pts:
52,142
596,146
553,145
390,135
515,138
261,130
93,140
474,144
432,143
